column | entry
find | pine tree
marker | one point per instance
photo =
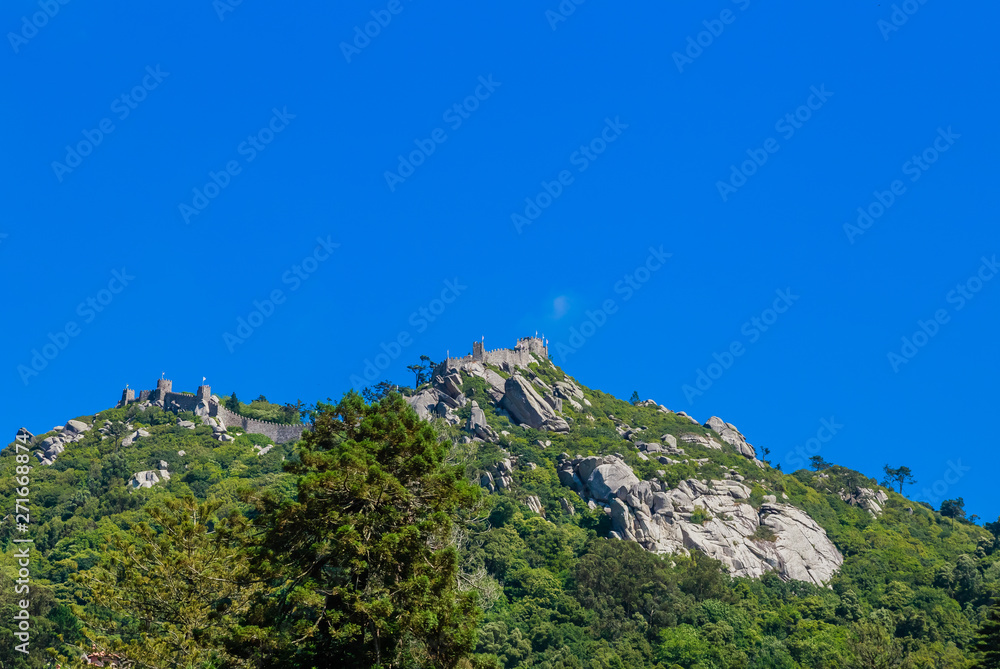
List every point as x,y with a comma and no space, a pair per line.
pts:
988,642
174,588
363,564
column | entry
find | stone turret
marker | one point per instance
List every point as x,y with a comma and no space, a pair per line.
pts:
163,387
128,395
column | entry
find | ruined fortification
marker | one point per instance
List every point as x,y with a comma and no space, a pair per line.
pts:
205,404
528,350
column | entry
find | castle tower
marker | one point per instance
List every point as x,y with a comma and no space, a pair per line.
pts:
477,351
204,392
128,395
163,386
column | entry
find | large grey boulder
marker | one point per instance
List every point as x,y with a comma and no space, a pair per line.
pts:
148,479
426,401
608,478
24,436
450,385
729,434
662,521
76,427
528,408
478,426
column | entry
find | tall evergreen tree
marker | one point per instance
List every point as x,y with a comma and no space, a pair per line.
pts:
988,641
363,566
166,594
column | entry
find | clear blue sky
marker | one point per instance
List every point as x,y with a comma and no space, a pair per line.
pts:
300,131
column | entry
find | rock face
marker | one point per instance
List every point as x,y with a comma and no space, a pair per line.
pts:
714,518
729,434
524,404
432,403
478,426
24,436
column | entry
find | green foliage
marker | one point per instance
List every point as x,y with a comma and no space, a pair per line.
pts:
362,563
168,593
700,515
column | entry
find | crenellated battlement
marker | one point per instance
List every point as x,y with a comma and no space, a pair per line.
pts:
527,350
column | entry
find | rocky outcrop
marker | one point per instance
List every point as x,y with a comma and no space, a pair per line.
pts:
432,403
701,440
130,439
596,477
148,479
870,500
24,436
498,476
525,406
570,393
478,426
652,403
52,446
713,517
474,368
681,413
729,434
535,505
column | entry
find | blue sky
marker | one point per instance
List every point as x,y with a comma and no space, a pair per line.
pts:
528,167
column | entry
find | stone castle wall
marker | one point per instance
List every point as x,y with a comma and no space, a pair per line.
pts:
521,355
279,433
180,402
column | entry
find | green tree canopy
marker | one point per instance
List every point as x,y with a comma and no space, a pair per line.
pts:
364,563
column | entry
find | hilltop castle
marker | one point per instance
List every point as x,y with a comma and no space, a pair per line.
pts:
528,350
204,403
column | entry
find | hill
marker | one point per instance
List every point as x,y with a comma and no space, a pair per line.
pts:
605,533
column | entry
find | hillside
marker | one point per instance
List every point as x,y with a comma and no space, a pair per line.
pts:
604,533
